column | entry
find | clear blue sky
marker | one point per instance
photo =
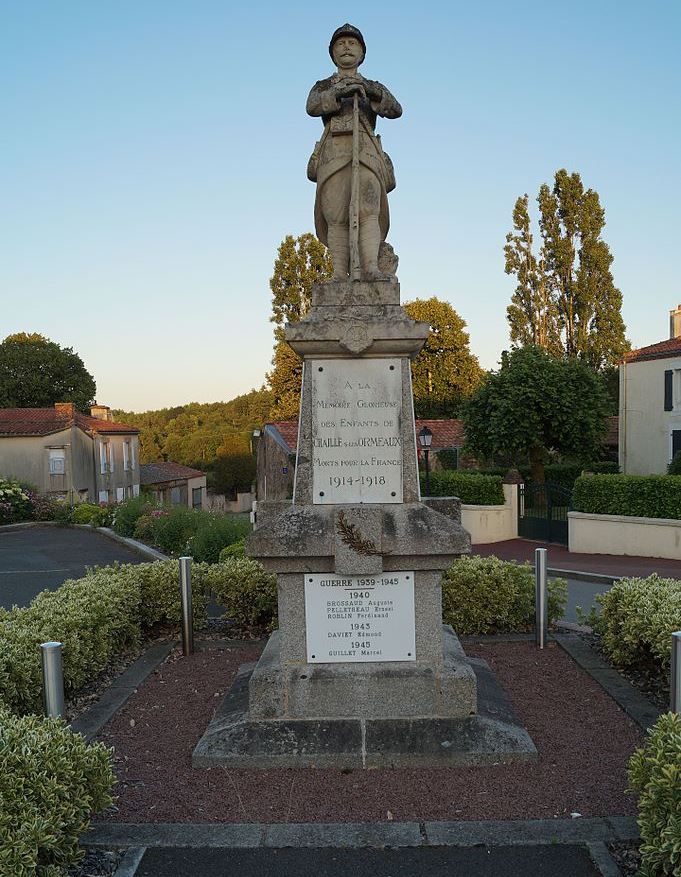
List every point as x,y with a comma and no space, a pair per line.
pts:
153,156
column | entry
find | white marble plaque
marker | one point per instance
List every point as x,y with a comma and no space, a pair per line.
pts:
360,618
356,435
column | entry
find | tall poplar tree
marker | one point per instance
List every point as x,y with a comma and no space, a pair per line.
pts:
571,283
300,262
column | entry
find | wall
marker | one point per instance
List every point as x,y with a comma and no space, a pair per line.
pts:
617,534
197,482
492,523
218,502
26,458
645,427
275,467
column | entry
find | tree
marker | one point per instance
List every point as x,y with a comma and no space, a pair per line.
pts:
36,372
445,372
536,404
234,468
300,262
567,300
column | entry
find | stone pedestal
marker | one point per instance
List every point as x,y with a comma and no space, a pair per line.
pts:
361,671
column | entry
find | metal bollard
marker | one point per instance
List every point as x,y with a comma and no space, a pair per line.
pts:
186,600
541,607
53,680
675,687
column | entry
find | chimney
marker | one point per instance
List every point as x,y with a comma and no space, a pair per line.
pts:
66,409
675,323
101,412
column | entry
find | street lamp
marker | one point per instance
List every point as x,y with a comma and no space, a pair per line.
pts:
425,439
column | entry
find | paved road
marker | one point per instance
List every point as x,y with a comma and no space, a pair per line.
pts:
40,558
479,861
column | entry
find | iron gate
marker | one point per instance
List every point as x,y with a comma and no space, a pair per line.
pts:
543,512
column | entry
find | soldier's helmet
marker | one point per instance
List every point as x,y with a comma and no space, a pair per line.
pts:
348,30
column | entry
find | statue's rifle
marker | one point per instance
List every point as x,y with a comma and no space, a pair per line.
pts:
355,263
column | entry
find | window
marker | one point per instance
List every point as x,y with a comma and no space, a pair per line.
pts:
175,497
676,442
110,455
103,462
126,454
57,461
197,497
135,490
120,494
668,390
103,495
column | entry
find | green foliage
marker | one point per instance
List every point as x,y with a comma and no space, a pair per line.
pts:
191,434
674,467
471,488
246,590
566,300
445,372
642,496
604,467
233,470
655,773
159,587
300,263
35,373
448,458
129,511
637,619
236,549
15,502
51,782
183,531
535,404
93,514
488,595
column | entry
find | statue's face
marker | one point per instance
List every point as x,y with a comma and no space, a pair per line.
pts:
347,52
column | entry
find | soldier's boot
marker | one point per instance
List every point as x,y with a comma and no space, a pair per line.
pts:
338,242
369,242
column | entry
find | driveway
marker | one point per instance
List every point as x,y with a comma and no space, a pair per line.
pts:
39,558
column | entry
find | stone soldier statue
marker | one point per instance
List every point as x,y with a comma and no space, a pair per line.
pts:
352,172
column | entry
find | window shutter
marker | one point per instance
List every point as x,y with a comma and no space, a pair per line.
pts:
668,385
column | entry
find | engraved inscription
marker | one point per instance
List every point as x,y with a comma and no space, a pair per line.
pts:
360,618
356,437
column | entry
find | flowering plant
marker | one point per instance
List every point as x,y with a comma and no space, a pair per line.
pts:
15,502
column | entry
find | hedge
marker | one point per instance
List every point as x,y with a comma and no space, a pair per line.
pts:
51,781
472,489
246,590
488,595
194,532
637,619
655,773
643,496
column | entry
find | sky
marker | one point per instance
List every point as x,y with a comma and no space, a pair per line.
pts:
153,156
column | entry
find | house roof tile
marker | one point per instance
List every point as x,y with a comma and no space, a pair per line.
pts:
157,473
45,421
662,350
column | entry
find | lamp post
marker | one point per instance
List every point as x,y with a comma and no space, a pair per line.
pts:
425,439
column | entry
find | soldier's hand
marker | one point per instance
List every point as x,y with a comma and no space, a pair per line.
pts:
348,88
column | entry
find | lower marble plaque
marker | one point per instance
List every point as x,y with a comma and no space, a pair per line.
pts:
360,618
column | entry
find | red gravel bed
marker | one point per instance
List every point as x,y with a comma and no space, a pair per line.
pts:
583,738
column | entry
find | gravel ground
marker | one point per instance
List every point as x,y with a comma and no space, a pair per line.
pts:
96,863
627,856
584,742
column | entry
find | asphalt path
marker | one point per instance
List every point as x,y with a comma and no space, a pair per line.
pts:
39,558
479,861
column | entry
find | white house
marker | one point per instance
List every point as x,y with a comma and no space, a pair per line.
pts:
650,404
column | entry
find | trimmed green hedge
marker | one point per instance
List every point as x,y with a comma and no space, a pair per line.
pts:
637,619
655,773
472,489
643,496
246,590
488,595
51,782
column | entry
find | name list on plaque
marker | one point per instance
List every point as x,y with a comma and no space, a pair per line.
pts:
356,436
360,618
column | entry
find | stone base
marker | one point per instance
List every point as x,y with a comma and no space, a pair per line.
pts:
396,689
494,735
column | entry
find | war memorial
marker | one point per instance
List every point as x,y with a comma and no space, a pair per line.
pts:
361,672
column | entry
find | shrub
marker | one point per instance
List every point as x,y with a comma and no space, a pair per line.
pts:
488,595
194,532
51,782
215,532
638,618
93,514
236,549
15,503
246,590
95,618
644,496
605,467
472,489
674,467
655,773
128,512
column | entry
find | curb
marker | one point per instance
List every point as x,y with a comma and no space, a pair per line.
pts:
595,578
130,862
139,547
600,855
627,697
356,835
